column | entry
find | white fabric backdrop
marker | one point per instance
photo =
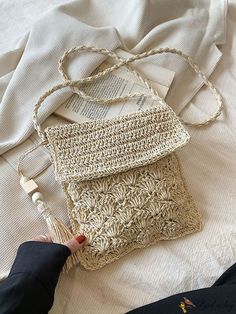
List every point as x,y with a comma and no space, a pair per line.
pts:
208,161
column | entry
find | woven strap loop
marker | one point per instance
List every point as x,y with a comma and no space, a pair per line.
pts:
74,84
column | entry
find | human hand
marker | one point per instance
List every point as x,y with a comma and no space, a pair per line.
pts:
74,244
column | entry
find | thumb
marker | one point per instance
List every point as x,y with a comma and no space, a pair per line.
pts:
76,243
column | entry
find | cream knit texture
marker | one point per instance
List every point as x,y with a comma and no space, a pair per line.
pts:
94,149
130,210
124,186
118,194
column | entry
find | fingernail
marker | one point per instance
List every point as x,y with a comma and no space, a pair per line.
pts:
80,239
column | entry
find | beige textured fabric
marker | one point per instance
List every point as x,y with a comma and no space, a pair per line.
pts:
131,210
118,194
121,210
94,149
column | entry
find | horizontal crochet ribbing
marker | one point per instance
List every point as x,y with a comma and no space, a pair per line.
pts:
94,149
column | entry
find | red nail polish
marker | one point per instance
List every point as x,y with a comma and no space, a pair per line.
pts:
80,239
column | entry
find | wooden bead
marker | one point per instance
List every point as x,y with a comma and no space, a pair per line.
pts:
29,186
37,196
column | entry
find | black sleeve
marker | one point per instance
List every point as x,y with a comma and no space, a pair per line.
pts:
217,299
31,284
228,277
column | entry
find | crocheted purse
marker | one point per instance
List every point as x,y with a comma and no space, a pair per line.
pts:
123,183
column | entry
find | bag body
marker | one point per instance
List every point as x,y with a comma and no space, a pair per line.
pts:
123,184
122,178
129,210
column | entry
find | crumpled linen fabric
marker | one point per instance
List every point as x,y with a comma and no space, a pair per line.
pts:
30,67
143,25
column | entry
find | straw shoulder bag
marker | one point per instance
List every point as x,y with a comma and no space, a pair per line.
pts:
121,177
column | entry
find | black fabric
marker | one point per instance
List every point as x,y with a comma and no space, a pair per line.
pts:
30,286
218,299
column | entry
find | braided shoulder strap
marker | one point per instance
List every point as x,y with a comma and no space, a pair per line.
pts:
75,84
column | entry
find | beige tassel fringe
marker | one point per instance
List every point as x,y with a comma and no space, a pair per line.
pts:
58,231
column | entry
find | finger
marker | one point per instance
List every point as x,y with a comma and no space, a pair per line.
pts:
42,238
76,243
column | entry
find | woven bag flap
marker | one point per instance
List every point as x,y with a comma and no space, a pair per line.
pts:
99,148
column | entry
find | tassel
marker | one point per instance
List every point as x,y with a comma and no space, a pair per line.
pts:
58,231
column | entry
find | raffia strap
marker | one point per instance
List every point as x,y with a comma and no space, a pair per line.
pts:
74,84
